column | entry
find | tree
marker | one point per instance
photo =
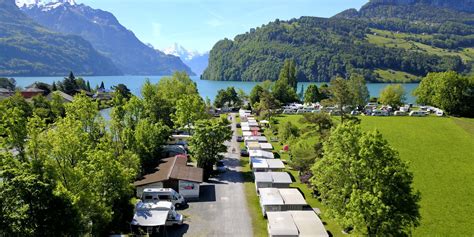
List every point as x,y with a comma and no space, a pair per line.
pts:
255,94
14,113
312,94
42,108
360,92
123,90
341,95
449,91
189,109
8,83
29,204
267,106
207,143
288,131
288,74
54,87
284,92
393,95
69,85
364,184
321,122
227,97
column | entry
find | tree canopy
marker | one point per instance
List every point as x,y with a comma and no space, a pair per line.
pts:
364,184
393,95
449,91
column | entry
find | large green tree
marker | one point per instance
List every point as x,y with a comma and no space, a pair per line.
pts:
288,74
449,91
227,97
341,94
364,184
207,143
360,92
189,109
312,94
393,95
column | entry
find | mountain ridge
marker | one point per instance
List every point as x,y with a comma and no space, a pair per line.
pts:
27,49
406,41
103,30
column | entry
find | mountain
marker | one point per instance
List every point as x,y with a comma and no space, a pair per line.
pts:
386,40
105,33
195,60
28,49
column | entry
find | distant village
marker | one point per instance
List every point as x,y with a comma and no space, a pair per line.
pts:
66,89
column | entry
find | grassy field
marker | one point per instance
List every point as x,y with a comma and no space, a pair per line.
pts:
395,76
401,40
440,152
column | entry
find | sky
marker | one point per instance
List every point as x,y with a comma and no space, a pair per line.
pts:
199,24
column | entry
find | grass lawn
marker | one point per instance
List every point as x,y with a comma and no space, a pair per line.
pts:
395,76
440,152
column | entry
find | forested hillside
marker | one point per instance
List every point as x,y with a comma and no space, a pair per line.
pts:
107,35
27,49
384,41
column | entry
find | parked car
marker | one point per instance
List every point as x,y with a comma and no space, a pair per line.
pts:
244,153
240,139
400,113
418,113
439,113
289,111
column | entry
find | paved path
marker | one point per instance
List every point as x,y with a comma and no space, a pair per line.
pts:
222,209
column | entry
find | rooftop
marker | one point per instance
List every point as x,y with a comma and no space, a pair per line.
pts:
281,196
172,168
272,177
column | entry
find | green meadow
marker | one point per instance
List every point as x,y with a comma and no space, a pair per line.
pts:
440,153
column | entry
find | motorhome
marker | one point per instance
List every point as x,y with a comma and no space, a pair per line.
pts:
417,114
400,113
163,194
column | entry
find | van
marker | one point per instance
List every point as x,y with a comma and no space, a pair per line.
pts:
417,114
163,194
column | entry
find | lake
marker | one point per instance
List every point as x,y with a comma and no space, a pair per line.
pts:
206,88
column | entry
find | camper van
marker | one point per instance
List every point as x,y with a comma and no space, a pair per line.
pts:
417,114
163,194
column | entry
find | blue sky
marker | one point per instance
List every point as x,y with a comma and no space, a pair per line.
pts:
199,24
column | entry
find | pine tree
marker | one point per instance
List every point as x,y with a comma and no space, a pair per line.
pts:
88,85
54,87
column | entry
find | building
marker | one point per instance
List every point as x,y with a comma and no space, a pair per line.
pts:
260,139
261,154
295,223
65,97
266,146
272,180
266,165
31,92
281,199
173,173
5,93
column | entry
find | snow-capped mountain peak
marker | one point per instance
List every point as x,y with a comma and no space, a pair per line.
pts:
180,51
44,3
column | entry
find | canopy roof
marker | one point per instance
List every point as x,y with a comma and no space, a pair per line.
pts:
266,146
272,177
261,154
281,224
281,196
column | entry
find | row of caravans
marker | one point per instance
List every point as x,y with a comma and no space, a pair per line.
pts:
286,209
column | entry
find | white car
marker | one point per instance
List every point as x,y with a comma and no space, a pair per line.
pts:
379,113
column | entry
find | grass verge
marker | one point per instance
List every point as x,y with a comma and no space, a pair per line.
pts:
259,223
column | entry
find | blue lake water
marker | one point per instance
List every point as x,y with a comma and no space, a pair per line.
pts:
206,88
